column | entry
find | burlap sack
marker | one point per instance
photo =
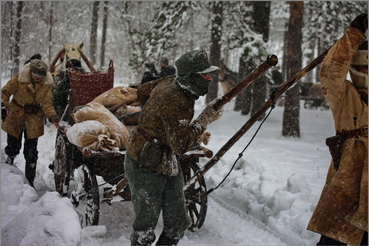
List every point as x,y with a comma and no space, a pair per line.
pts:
95,111
116,96
92,134
124,110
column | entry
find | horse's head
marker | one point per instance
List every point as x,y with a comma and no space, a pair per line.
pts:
72,52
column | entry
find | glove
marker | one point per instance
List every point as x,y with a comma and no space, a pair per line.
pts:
360,22
205,137
209,114
55,120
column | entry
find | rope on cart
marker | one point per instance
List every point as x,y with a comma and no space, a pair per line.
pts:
272,97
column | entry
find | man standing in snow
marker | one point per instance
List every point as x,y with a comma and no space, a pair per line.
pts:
28,99
165,130
341,215
166,69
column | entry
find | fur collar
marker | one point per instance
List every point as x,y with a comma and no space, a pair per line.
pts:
25,76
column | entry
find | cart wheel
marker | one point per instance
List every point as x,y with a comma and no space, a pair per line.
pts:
196,197
60,167
85,197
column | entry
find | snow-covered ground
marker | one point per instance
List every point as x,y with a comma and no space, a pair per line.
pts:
268,199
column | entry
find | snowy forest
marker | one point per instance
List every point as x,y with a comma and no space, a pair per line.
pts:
131,33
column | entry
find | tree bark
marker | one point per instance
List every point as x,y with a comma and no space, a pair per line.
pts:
260,16
51,23
17,38
291,118
104,30
243,100
93,37
216,35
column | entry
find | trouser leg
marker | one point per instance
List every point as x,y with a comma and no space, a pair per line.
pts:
175,217
31,155
14,145
146,188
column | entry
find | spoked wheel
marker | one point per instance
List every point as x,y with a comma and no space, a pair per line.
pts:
85,197
196,197
60,167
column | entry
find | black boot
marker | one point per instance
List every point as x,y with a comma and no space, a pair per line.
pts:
10,160
328,241
30,172
164,240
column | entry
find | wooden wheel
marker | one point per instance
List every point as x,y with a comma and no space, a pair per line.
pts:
196,197
85,197
61,167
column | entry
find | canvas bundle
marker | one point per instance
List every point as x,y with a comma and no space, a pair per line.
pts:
92,134
97,112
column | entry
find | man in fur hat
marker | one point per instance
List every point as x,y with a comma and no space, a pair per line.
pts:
28,99
341,215
166,130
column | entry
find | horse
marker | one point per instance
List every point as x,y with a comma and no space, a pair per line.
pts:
70,52
227,77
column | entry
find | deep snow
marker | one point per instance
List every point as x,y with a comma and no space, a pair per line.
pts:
267,199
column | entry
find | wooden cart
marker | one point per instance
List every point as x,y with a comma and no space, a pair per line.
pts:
76,168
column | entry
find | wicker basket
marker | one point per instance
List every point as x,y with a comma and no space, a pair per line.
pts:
86,86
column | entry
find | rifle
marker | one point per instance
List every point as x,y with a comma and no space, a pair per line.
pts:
282,89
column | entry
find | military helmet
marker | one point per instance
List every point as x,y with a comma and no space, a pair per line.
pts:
195,61
38,68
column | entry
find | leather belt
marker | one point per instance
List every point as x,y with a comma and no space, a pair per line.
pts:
362,131
149,138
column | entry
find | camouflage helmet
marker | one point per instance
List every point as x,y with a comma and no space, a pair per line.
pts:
38,68
193,62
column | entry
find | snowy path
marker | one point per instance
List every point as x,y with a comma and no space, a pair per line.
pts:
224,225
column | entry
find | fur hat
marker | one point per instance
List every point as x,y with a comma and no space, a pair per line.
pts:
361,56
38,68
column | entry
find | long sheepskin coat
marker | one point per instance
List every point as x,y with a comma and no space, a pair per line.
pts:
342,211
21,88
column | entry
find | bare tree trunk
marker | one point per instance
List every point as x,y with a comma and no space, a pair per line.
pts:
291,118
243,100
260,16
51,23
17,37
93,37
216,35
103,38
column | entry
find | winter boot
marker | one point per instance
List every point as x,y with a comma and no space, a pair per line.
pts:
164,240
10,160
30,172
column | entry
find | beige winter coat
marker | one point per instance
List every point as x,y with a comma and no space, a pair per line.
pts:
342,211
21,88
166,116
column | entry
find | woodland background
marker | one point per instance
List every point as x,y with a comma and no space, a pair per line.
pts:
131,33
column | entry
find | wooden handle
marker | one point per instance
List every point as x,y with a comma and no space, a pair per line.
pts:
282,89
87,62
271,60
52,65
